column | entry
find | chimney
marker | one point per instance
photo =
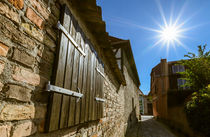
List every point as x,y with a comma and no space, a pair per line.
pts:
163,60
164,67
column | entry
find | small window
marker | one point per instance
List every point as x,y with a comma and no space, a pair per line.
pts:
181,83
132,103
178,68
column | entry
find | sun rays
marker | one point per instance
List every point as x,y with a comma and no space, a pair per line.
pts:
169,30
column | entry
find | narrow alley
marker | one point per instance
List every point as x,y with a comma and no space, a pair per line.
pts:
149,127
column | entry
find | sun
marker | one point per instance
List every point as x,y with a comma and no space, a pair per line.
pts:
171,30
169,33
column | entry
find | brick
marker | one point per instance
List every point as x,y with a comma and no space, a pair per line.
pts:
45,69
41,8
1,86
8,29
26,76
19,93
23,58
10,112
2,64
49,42
40,50
94,135
34,18
17,3
41,125
41,111
5,130
32,31
43,82
3,50
9,13
48,56
51,32
24,129
55,11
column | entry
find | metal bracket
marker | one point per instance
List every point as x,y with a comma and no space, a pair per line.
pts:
52,88
60,27
100,72
99,99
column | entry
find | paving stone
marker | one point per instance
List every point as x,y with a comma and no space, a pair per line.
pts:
149,127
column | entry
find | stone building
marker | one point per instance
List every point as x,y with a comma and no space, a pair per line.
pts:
169,94
147,102
61,74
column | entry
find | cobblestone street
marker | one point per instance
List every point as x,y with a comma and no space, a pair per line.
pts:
148,127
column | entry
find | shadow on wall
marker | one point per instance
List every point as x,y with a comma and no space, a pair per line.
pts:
132,120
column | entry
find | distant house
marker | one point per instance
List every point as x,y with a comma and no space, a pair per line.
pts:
147,105
169,92
141,103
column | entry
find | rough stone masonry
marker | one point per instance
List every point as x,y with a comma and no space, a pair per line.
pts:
28,40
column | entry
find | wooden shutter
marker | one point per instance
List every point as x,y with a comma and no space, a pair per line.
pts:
77,73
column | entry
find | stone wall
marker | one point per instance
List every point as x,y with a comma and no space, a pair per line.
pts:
131,106
28,37
131,97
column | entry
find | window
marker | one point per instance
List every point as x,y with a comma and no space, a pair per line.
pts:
180,83
79,71
132,103
178,68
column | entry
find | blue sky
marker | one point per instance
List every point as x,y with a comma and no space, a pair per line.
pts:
135,19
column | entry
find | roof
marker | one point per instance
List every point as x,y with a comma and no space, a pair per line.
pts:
125,44
91,15
158,65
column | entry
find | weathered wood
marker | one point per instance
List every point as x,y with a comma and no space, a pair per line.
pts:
87,98
75,72
91,88
94,88
101,91
96,91
54,117
84,85
79,83
67,84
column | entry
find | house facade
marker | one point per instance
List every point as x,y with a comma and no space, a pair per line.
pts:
61,74
169,94
147,100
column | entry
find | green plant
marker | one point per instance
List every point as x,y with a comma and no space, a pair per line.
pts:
197,71
197,74
198,111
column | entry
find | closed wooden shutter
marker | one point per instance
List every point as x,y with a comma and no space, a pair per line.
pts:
78,73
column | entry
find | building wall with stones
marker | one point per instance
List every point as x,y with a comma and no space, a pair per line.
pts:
28,41
131,98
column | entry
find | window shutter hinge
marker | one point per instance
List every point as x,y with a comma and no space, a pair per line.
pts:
52,88
99,99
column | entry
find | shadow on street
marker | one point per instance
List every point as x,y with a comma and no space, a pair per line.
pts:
149,127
